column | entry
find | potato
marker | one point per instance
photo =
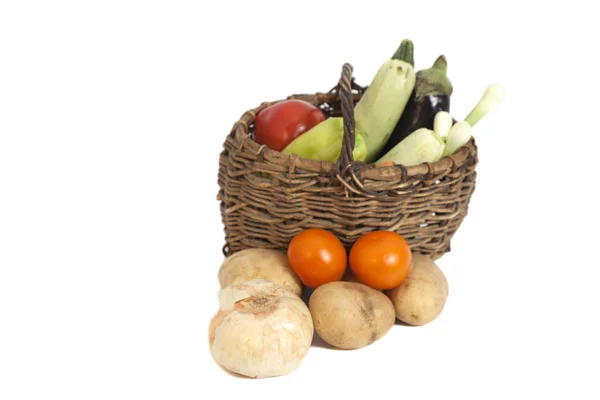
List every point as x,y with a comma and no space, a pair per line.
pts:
422,296
350,315
249,264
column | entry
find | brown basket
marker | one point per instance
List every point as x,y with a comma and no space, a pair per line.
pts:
268,197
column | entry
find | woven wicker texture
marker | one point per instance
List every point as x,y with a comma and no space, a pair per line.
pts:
268,197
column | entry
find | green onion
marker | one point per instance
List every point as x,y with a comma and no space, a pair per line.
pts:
458,136
494,94
442,123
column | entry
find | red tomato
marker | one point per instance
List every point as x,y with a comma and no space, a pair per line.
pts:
277,125
317,256
381,259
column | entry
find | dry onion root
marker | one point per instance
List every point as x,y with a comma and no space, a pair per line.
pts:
261,330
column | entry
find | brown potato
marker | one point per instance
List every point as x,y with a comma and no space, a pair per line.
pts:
422,296
249,264
350,315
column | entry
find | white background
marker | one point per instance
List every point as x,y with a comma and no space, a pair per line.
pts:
112,117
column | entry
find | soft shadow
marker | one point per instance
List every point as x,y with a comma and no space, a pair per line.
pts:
318,342
400,323
306,294
235,374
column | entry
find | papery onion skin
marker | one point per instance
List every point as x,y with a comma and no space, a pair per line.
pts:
261,330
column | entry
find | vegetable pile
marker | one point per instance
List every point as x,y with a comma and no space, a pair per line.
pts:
272,303
402,118
264,327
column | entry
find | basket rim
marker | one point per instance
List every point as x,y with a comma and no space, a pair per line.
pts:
372,171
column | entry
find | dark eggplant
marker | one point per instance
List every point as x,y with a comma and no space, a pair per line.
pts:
431,95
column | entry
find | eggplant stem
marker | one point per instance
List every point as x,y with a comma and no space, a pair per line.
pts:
441,64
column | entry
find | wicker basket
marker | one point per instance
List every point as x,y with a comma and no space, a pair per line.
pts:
268,197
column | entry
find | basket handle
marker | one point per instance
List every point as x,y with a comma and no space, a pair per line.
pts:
347,105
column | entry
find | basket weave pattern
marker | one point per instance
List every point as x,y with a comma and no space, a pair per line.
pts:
268,197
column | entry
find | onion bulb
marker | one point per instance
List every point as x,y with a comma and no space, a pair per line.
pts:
261,330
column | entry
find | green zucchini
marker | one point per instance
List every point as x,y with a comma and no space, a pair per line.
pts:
382,104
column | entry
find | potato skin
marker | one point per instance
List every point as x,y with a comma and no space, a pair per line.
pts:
249,264
420,299
350,315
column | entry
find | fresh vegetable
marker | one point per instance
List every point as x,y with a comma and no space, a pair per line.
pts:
493,95
422,296
261,330
380,259
431,95
317,256
249,264
382,104
324,142
350,315
459,136
278,124
423,145
461,132
442,123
